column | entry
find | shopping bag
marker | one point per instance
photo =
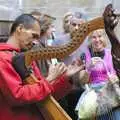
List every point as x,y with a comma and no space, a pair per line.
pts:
87,104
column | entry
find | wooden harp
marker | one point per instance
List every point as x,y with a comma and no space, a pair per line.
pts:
49,107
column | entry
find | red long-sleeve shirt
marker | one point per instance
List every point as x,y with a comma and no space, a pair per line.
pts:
16,99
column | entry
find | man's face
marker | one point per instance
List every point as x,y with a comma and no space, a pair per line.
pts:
75,23
27,36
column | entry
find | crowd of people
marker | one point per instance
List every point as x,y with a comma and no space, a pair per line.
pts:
64,78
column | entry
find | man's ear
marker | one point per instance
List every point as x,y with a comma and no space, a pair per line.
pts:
20,28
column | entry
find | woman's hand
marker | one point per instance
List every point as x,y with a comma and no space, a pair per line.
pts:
113,78
93,62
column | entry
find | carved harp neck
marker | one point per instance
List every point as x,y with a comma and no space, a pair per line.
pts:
77,37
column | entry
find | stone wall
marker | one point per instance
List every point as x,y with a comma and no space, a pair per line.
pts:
91,8
9,9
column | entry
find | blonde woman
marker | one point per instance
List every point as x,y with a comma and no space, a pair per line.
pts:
98,61
97,48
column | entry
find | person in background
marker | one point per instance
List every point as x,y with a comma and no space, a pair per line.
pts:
36,14
75,23
98,48
98,61
66,21
46,36
71,21
17,99
45,65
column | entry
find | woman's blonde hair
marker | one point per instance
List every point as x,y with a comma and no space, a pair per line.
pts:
102,32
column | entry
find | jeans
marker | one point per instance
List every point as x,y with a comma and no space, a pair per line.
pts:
116,114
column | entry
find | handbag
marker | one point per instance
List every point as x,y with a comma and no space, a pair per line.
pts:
97,102
87,104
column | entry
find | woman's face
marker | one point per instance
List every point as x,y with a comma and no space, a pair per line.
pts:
97,39
49,31
66,23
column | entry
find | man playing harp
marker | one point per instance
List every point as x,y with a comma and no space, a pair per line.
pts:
17,99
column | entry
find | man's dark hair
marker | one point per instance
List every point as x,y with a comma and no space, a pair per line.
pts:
25,19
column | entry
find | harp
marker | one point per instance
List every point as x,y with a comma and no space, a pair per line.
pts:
49,107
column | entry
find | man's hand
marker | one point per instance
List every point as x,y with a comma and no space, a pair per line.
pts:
73,69
110,19
18,62
55,71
